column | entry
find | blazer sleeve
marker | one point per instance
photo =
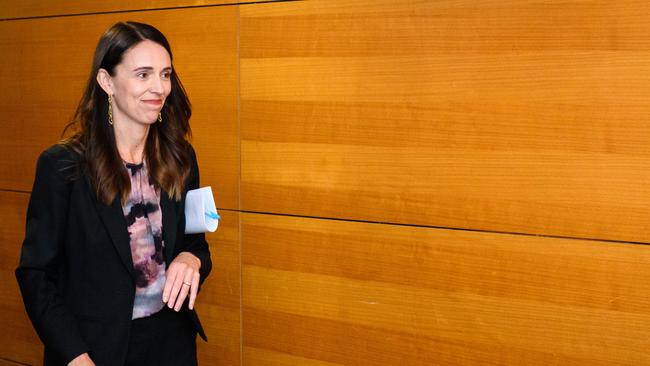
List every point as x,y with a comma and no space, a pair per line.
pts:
40,261
195,243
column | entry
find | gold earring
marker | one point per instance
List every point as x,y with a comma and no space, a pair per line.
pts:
110,109
159,117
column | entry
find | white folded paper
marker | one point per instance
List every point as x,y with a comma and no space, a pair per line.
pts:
200,211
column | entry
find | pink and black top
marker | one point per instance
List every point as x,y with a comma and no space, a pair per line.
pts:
144,220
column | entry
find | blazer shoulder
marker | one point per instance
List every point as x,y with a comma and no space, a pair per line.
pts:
62,160
59,152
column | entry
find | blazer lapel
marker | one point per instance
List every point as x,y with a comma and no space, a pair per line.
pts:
113,219
169,224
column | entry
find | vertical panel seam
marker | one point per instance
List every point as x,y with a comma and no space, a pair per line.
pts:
239,192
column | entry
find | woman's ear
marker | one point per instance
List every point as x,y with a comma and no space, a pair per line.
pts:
105,81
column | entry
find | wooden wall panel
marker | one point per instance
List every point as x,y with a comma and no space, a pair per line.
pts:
40,86
42,82
218,303
40,8
9,363
512,116
18,340
341,293
12,9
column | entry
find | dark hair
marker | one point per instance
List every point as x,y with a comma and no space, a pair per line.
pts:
167,151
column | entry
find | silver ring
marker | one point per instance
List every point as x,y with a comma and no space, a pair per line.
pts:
187,284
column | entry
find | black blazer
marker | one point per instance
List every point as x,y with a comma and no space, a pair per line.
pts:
76,273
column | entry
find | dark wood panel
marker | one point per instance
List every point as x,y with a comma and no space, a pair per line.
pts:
375,294
42,82
516,116
18,340
4,362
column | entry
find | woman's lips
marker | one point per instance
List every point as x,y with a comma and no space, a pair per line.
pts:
153,102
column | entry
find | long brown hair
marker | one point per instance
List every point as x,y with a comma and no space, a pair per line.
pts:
167,151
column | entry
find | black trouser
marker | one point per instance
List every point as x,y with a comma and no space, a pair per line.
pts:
166,338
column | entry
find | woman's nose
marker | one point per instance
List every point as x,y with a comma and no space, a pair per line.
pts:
156,85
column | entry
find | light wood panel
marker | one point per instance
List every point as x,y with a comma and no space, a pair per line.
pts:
12,9
42,82
513,116
218,303
39,8
34,8
40,85
335,292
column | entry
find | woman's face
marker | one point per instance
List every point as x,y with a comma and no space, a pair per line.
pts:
141,83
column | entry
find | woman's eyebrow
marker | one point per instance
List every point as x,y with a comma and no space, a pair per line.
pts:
143,68
149,68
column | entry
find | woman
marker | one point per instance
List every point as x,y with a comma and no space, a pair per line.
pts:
107,274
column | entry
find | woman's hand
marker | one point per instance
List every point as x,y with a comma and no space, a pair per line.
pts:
182,278
82,360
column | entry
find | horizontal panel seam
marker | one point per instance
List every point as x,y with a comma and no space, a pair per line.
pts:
13,361
14,191
143,10
445,228
411,225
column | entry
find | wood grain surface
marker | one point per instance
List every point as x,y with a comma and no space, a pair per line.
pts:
12,9
370,294
18,340
43,80
401,182
4,362
509,116
40,85
219,303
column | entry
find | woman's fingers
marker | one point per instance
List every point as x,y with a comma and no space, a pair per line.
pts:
178,290
186,285
170,278
194,290
181,279
174,283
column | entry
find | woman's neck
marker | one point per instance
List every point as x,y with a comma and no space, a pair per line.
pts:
130,141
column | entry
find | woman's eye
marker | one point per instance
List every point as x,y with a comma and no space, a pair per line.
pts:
166,75
141,75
